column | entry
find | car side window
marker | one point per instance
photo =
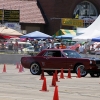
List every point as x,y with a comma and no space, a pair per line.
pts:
49,54
53,54
57,54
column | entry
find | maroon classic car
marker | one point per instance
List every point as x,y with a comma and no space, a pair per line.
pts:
50,60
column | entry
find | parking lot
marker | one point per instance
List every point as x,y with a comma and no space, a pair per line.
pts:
15,85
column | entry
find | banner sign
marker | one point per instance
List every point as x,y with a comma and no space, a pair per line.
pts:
11,16
72,22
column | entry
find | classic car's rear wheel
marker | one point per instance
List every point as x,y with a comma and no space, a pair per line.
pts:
83,72
94,74
35,69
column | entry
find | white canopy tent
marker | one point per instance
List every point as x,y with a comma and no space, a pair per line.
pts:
80,31
87,37
9,32
90,32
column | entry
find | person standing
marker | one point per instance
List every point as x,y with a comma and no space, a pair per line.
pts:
44,46
81,48
36,46
10,47
52,45
57,46
16,47
62,46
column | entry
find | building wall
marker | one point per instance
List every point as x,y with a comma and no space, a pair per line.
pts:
32,27
57,9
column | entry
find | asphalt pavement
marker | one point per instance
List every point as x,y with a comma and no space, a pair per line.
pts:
15,58
15,85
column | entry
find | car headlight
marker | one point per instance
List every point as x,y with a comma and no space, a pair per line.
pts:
90,62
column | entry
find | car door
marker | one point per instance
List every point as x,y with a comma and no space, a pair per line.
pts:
56,61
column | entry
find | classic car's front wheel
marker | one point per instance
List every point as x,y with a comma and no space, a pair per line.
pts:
35,69
83,72
94,74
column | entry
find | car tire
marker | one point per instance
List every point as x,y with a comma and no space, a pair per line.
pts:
94,74
83,72
35,69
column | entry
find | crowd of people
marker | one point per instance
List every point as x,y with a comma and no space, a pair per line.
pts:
90,48
40,45
47,44
11,46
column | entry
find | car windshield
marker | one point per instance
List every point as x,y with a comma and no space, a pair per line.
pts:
71,54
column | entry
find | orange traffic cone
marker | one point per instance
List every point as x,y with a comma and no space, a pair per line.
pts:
79,73
69,74
53,80
56,76
62,75
42,75
20,69
56,97
44,86
17,66
4,68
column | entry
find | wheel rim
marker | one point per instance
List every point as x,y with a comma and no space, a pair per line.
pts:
82,71
34,68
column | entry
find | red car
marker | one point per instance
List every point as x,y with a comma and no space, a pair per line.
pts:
50,60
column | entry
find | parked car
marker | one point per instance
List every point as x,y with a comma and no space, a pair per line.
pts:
28,50
50,60
20,44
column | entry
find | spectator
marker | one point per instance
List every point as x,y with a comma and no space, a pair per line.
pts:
10,47
52,45
92,49
44,46
86,48
57,46
62,46
36,46
2,45
16,47
81,48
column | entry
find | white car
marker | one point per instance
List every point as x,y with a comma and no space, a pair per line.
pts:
28,50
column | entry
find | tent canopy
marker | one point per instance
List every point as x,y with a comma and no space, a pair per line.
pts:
90,32
97,39
87,37
64,32
9,32
7,37
36,34
67,36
